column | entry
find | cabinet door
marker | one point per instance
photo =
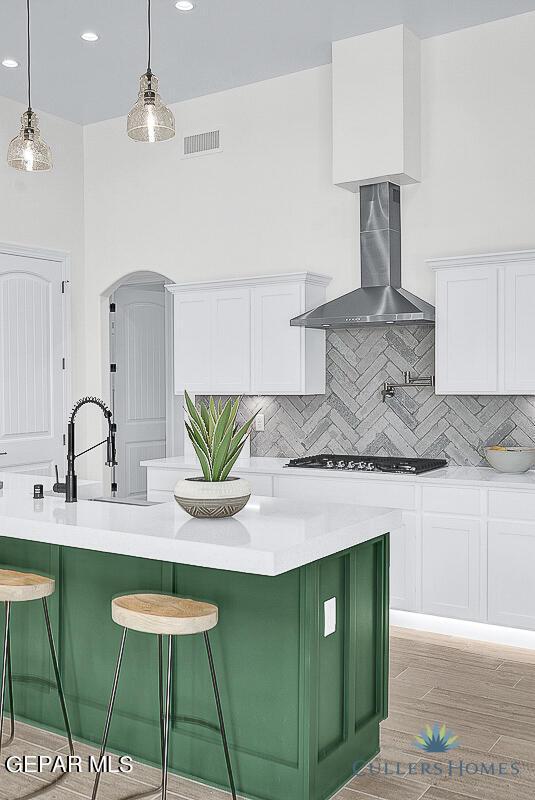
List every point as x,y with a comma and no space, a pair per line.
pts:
231,341
511,556
278,362
192,351
519,362
403,561
467,331
451,566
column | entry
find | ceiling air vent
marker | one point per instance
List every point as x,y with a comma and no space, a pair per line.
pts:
201,144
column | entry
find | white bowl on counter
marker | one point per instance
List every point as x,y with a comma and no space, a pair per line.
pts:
511,459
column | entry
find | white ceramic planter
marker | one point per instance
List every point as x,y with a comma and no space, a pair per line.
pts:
212,499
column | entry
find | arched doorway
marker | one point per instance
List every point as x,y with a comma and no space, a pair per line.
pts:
140,355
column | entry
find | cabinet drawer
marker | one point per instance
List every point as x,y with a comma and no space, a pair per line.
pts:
512,505
365,492
451,500
164,480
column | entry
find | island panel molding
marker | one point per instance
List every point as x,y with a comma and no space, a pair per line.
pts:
300,708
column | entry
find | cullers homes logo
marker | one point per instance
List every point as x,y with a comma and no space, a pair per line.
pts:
438,739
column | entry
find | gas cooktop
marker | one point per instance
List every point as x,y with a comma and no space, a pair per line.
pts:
409,466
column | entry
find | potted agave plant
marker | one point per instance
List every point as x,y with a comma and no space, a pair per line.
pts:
218,441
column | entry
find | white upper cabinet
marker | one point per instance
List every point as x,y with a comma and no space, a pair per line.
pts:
519,316
234,337
484,313
192,320
230,355
376,108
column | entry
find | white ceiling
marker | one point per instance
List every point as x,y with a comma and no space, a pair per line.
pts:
221,44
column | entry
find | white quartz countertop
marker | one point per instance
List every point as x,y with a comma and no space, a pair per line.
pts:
269,537
454,476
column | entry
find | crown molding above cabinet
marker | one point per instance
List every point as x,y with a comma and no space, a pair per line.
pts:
234,336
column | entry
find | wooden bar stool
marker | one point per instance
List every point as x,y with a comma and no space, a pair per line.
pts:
169,616
19,587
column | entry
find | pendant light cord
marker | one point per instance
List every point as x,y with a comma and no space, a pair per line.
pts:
29,56
149,25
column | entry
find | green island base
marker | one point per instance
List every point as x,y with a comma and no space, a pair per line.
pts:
302,711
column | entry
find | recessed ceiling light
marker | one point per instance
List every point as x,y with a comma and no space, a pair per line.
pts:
10,63
90,36
184,5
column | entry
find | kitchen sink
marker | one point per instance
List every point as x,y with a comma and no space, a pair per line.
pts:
124,501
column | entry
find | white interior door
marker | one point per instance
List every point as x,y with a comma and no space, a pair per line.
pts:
139,384
31,364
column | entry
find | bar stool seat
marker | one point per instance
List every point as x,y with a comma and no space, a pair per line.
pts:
163,614
166,616
17,587
20,586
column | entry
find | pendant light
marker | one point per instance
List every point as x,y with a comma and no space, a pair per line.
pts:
150,120
28,151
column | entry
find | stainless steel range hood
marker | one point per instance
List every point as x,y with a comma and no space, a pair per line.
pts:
381,300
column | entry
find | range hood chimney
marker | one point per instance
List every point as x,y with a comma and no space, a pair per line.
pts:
381,300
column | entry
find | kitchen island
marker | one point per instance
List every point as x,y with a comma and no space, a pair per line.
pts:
303,691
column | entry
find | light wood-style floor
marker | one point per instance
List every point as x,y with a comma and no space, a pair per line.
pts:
484,693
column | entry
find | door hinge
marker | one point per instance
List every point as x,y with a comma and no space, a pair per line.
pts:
64,440
113,367
62,363
112,308
63,286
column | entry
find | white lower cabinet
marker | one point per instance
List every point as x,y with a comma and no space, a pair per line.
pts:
451,549
511,560
403,564
463,551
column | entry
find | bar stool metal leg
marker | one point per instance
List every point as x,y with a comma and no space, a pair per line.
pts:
110,710
220,714
58,676
5,653
167,719
10,690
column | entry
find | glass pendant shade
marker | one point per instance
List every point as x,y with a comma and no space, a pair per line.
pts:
150,120
28,151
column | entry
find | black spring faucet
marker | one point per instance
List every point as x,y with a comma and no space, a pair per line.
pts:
70,487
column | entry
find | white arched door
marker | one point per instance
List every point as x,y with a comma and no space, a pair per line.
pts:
139,382
31,364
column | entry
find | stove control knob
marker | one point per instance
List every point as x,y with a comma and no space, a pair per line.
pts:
351,465
370,466
341,464
329,464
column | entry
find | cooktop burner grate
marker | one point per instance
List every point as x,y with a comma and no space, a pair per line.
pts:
397,464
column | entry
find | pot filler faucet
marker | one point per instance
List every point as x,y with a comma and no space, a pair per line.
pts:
70,487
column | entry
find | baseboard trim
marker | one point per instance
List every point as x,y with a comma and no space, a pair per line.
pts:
480,631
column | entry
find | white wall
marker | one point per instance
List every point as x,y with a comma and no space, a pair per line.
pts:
478,156
267,203
46,209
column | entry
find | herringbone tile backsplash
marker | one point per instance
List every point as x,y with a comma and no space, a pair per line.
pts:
351,417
